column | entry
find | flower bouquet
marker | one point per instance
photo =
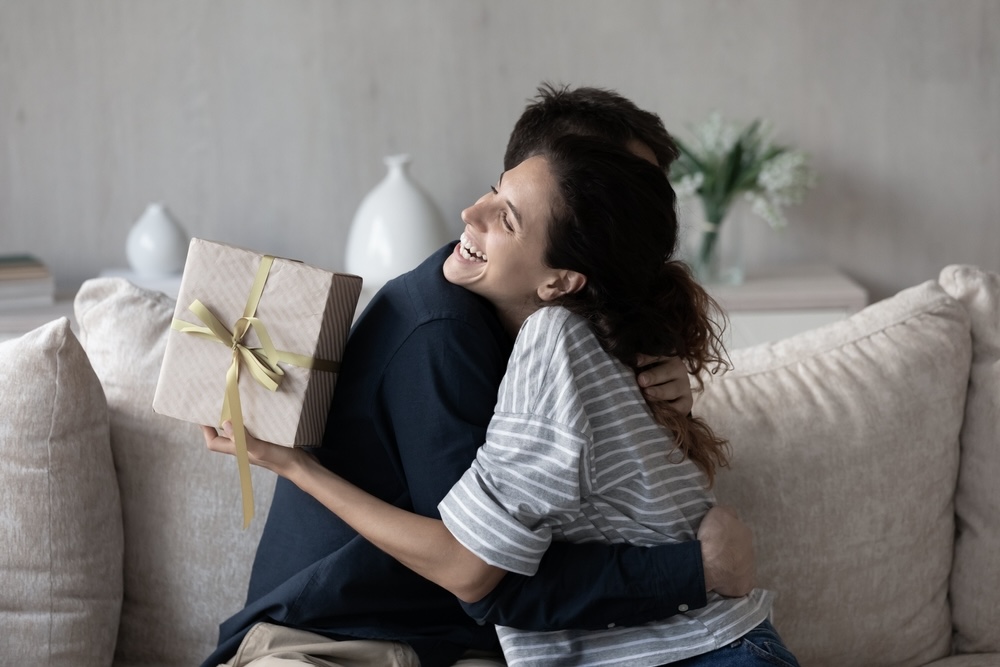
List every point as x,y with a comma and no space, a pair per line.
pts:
725,161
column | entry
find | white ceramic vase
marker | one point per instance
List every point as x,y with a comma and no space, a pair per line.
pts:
395,228
157,245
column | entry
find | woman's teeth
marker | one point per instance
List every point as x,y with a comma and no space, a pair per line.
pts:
470,251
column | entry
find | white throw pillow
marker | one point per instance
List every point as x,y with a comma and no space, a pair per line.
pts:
187,560
60,517
845,456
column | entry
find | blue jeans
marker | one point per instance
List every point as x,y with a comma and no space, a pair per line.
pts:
758,648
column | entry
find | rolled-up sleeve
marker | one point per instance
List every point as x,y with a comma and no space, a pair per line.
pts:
523,480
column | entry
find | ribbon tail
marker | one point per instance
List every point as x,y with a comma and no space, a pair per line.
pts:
233,410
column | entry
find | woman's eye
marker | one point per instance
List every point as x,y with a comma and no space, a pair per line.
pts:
503,214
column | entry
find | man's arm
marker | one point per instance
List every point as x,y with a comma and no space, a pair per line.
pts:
594,586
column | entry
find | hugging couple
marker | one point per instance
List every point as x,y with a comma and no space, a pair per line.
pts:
511,473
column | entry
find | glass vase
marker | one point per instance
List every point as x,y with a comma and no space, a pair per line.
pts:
714,251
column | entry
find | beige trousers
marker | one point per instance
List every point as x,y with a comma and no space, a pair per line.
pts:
268,645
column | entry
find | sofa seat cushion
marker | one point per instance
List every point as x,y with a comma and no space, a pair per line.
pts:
977,660
60,522
187,559
975,581
845,458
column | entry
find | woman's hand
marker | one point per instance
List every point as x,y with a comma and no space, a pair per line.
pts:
285,461
665,379
422,544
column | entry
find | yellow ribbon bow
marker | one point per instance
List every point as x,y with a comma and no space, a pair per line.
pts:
262,362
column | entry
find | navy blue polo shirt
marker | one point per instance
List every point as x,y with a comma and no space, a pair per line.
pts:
414,398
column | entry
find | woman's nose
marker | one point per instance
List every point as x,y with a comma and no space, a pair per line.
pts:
474,215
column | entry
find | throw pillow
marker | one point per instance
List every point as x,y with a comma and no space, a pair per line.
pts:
187,559
845,455
60,518
975,580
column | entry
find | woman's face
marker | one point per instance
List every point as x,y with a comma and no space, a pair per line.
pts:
499,256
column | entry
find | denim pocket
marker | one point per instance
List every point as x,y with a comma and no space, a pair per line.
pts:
764,643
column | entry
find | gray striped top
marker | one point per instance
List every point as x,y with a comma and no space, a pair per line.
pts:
573,453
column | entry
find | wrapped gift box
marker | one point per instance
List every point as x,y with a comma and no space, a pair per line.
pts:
304,310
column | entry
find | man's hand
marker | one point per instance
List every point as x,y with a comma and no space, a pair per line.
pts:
726,553
665,379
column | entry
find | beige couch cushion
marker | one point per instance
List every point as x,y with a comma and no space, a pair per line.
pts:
187,561
975,582
845,456
976,660
60,519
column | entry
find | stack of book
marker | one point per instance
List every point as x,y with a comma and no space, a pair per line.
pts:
25,282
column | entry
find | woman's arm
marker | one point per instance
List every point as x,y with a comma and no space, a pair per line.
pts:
420,543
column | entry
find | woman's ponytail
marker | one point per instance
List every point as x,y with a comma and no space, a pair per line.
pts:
618,227
701,350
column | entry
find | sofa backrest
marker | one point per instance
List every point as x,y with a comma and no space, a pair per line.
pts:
845,446
186,558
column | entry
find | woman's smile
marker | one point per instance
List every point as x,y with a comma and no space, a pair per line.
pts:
469,250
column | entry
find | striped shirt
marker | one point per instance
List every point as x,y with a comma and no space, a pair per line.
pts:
573,453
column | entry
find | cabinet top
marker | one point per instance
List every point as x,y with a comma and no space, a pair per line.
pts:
792,288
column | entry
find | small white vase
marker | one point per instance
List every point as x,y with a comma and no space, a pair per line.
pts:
396,227
156,244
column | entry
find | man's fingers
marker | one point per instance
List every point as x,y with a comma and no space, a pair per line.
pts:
668,391
645,360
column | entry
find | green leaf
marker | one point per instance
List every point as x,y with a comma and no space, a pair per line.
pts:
688,154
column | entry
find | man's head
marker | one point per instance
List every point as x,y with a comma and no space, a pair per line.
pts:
595,112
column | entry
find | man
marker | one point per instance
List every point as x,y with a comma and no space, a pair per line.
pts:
414,397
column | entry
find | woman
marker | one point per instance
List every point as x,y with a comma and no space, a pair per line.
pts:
573,452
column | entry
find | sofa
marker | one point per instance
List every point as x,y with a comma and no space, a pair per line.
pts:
865,457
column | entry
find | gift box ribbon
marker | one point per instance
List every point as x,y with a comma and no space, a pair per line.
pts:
262,362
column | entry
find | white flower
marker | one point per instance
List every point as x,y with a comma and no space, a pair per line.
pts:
688,185
785,178
716,136
767,209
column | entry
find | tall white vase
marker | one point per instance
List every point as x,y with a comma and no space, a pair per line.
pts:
156,245
396,227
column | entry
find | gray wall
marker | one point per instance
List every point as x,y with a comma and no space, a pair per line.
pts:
264,123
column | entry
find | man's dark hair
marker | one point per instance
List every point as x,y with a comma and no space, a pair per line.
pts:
595,112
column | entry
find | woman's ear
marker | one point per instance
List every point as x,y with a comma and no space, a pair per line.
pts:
561,283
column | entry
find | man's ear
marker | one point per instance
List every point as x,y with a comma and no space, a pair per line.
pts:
561,283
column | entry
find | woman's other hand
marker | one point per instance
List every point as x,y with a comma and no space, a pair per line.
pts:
665,379
282,460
